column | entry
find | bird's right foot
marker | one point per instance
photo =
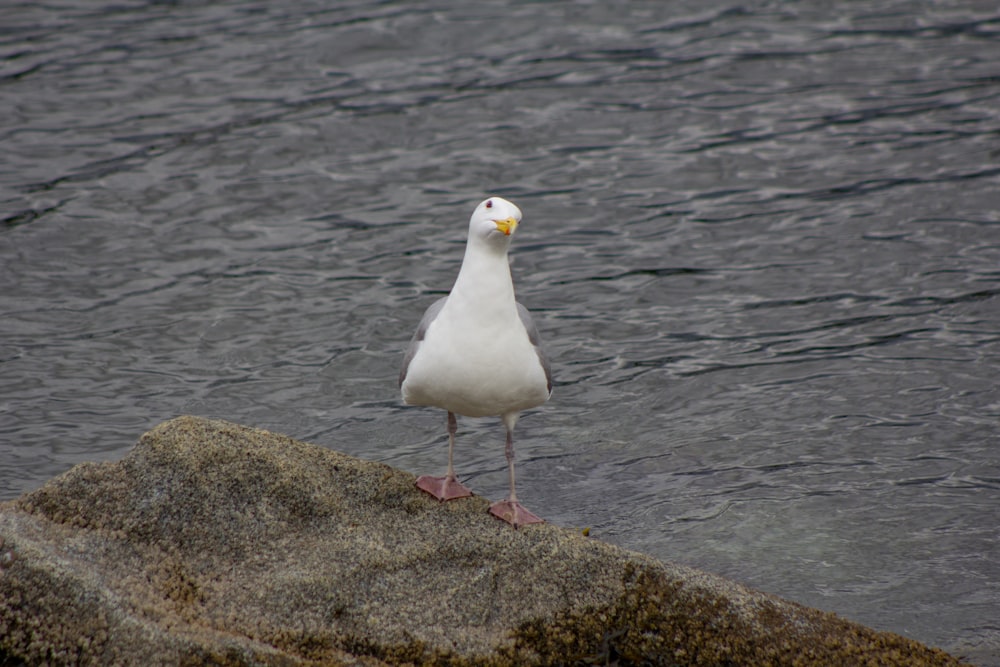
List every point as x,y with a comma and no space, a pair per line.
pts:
514,513
443,488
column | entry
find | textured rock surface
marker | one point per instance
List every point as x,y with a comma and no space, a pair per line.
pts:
212,543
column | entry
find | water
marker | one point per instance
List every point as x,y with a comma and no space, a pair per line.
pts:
761,241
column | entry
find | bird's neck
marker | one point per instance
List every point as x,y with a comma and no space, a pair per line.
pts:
485,278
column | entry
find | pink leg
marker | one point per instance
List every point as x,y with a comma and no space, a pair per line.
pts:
510,510
447,487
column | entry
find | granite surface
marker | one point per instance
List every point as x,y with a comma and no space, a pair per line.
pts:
214,543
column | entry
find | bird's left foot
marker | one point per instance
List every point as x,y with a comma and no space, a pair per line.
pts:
443,488
514,513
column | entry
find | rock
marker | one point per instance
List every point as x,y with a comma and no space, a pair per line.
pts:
213,543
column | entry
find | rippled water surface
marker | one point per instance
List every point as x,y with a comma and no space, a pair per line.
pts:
761,241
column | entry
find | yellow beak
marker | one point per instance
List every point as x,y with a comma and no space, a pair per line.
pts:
506,226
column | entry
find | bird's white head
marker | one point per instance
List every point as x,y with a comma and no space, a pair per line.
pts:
494,220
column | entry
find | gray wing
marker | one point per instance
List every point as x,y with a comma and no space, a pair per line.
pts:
533,337
418,336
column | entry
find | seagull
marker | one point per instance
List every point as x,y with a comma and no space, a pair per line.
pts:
476,352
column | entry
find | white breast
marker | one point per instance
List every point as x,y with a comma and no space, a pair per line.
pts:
476,362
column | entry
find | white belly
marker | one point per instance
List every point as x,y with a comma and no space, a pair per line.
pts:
474,369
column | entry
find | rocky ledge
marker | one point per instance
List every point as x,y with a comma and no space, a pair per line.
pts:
213,543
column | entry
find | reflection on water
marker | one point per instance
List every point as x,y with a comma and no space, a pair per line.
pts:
762,245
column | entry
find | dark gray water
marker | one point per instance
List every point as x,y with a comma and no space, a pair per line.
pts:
761,240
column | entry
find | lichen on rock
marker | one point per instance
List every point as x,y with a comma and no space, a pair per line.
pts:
213,543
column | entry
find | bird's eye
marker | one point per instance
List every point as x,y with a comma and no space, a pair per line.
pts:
489,203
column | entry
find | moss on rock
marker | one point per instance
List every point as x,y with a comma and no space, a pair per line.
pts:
216,544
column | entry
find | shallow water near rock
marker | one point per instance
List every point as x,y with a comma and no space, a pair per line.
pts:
761,242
